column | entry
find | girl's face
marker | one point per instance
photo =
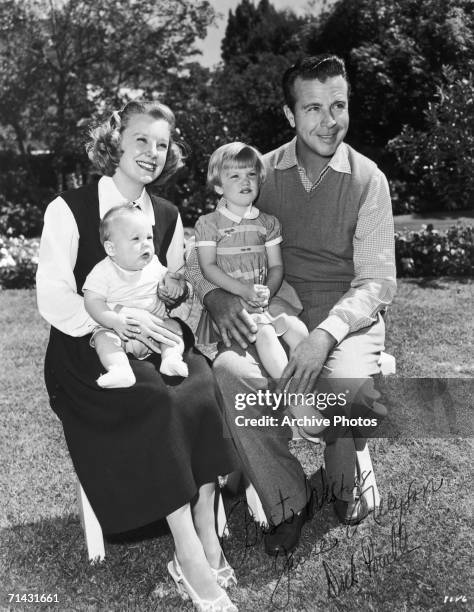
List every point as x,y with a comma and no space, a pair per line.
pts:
145,142
239,186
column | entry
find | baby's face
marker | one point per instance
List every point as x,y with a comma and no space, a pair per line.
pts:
131,242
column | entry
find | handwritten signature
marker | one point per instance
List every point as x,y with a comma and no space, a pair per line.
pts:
369,558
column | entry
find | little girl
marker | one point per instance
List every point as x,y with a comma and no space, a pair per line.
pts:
239,251
130,276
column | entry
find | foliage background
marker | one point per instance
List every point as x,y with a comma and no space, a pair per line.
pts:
66,63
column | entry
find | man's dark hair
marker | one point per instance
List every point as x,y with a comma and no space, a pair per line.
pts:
319,67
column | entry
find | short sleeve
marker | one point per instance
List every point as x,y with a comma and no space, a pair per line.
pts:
206,233
97,280
273,227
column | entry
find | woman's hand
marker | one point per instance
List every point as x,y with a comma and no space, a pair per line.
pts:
150,329
125,326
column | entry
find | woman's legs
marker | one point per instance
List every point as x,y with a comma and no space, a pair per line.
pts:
204,521
191,555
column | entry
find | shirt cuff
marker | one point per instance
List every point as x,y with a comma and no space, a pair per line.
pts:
335,326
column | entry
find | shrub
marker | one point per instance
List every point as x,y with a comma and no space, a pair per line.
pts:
22,219
427,252
430,252
403,200
18,262
438,161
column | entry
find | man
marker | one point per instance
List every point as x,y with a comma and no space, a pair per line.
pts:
338,252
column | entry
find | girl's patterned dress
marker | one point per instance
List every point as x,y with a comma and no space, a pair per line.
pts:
241,253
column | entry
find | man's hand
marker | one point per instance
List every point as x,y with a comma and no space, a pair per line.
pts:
231,317
307,361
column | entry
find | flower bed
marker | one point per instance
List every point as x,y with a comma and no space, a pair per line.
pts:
18,261
428,252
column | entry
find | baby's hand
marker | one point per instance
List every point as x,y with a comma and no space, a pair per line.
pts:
173,287
263,293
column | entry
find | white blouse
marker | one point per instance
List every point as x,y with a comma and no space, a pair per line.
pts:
56,290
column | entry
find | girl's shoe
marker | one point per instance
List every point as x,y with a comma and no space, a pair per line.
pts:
221,604
225,575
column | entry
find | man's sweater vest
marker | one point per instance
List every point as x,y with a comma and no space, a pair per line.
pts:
318,227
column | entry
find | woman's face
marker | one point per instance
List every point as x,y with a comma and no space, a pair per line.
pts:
144,145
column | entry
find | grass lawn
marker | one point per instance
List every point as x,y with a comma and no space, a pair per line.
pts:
416,553
440,221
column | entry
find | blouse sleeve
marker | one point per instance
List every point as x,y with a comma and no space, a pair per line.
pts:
273,231
175,252
56,291
205,232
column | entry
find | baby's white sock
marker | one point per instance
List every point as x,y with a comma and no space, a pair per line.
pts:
173,365
117,377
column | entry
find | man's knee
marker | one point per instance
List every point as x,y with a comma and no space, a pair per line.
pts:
357,356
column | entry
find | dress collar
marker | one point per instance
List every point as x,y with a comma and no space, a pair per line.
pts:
338,162
110,196
252,212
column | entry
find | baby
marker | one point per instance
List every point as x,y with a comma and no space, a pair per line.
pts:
131,275
239,250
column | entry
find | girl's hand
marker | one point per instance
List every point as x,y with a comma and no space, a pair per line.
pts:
249,294
264,294
151,330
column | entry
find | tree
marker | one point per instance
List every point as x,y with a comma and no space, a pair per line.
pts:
394,53
440,159
201,129
75,55
259,44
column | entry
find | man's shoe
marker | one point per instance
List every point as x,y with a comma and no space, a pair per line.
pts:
284,538
351,513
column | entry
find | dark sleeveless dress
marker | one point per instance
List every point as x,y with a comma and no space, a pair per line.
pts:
140,452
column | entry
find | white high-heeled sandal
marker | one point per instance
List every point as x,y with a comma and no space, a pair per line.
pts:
186,591
225,575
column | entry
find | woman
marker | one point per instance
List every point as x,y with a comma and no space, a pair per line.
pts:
155,449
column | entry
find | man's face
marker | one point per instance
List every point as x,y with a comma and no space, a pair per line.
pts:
321,114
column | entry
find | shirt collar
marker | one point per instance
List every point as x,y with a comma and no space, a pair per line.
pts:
252,212
338,162
110,196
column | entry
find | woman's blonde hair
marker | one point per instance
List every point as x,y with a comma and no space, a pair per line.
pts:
104,149
234,154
